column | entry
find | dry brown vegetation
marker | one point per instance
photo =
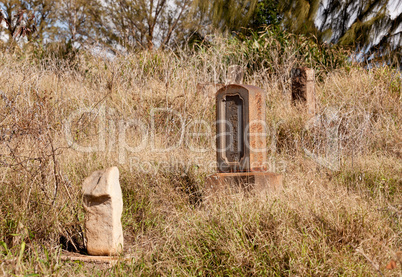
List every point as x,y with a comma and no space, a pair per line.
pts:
325,222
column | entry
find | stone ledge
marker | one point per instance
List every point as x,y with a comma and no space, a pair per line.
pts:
257,182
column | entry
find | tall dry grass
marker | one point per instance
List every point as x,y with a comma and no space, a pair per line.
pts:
344,221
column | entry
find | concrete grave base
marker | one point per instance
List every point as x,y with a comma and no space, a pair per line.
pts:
257,182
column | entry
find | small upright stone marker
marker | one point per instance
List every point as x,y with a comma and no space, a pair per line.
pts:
303,87
103,204
235,74
241,141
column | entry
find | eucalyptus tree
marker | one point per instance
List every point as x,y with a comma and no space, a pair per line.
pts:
228,15
30,15
368,24
77,20
19,24
43,11
146,23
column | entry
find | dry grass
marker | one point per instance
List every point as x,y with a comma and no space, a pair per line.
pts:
324,223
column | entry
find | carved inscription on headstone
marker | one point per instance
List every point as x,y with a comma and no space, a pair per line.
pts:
234,128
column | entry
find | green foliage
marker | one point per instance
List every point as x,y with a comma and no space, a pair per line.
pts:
266,13
54,51
273,46
231,15
381,182
299,15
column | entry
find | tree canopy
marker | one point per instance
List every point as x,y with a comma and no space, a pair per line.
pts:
367,24
139,24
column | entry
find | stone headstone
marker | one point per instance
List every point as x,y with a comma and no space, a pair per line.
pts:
235,74
241,130
241,142
103,204
303,87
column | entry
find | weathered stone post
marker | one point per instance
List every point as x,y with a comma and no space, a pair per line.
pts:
235,74
303,87
103,204
241,140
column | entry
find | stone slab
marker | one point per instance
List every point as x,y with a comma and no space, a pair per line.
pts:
108,260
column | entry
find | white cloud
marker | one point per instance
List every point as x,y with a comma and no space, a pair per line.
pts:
394,8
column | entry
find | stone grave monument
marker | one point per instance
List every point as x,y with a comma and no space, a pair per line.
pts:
103,204
241,141
303,83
